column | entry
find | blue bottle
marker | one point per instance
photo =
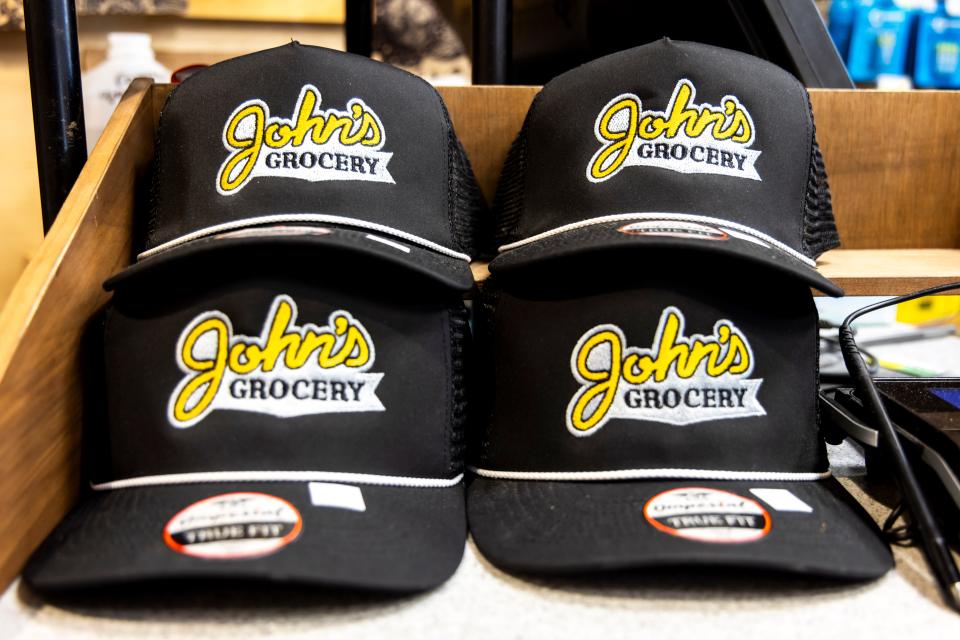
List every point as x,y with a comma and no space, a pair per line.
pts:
938,51
880,41
842,14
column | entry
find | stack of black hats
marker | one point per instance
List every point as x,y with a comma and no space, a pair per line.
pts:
652,396
284,364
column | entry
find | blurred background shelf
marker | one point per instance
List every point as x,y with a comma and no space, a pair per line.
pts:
317,11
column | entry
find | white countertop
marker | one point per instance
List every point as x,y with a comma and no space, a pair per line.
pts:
481,602
484,603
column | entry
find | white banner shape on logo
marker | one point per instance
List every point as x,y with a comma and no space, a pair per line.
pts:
696,155
286,393
694,400
319,162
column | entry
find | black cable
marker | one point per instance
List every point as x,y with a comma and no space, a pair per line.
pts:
901,536
933,543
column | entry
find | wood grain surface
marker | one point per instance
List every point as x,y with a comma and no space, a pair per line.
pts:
43,321
868,272
893,161
882,272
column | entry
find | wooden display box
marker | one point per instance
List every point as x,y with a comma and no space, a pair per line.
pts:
893,161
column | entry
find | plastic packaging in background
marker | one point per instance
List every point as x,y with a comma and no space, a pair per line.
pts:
880,41
841,17
899,44
938,51
129,56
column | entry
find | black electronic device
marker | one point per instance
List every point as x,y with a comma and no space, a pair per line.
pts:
926,413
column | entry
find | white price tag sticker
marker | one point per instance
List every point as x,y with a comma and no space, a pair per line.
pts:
782,500
338,496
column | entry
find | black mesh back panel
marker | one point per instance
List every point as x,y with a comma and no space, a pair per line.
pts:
819,227
508,199
156,184
460,399
469,221
482,369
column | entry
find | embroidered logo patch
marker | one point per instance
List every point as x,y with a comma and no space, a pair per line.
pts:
685,137
678,380
314,144
288,370
707,515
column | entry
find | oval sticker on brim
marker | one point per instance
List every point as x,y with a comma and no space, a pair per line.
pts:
707,515
674,229
233,526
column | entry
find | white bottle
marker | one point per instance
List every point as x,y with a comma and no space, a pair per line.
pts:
129,56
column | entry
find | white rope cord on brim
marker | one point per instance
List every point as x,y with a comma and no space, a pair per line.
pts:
650,474
277,476
677,217
303,217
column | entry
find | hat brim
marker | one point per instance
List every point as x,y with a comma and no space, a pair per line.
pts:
446,270
623,238
545,527
407,540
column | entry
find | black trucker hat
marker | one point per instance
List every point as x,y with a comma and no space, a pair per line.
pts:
658,419
297,422
257,148
671,144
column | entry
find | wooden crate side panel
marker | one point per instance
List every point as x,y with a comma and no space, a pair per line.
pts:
44,320
893,160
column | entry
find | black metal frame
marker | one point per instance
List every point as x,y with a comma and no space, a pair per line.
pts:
54,63
358,26
492,41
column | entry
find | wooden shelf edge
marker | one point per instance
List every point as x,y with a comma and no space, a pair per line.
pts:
868,272
888,272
